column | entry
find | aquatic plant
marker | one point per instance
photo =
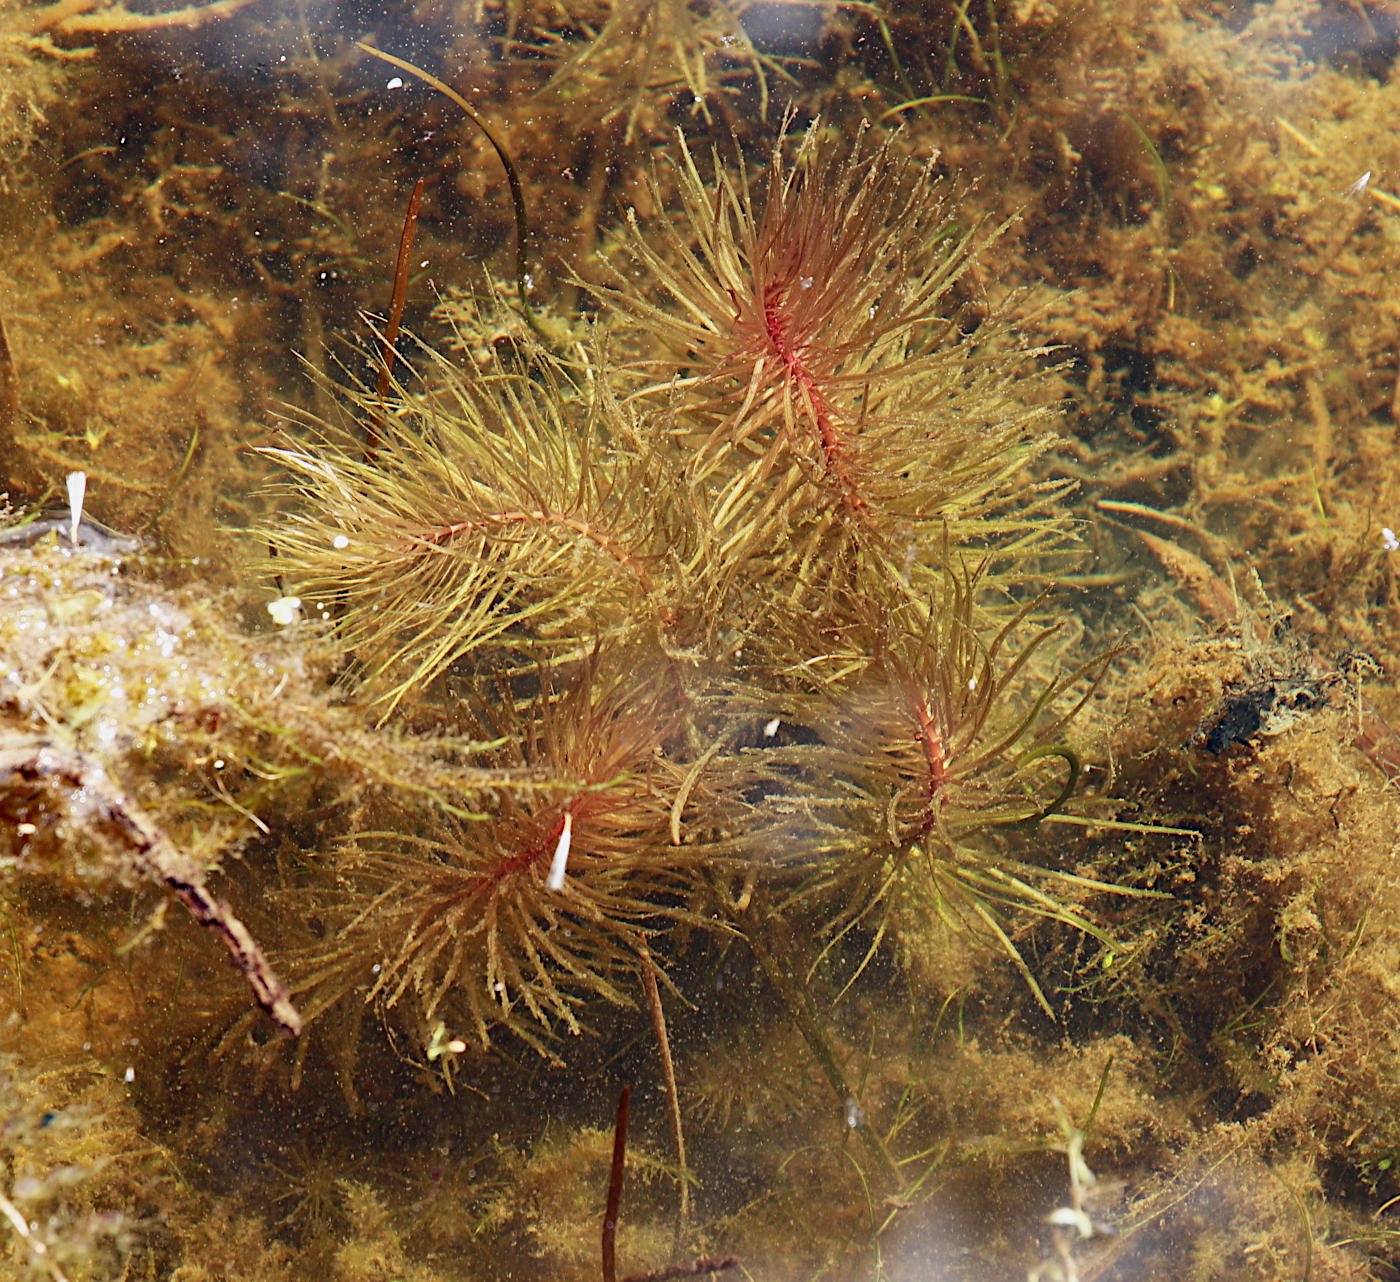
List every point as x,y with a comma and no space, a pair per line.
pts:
518,917
504,510
635,57
778,491
833,385
928,734
304,1181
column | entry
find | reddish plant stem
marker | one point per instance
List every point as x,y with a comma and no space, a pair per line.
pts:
532,853
375,428
9,387
932,740
619,1159
777,323
542,516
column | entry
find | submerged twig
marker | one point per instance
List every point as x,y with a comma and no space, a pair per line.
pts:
668,1072
103,810
517,190
619,1162
390,337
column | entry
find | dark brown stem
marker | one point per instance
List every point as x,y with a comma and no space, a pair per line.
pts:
391,330
9,387
619,1159
98,806
668,1073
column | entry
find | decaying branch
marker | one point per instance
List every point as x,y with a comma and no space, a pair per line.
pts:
98,807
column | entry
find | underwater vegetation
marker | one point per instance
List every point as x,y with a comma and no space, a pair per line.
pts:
894,675
626,59
76,1168
675,566
822,346
468,918
758,638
